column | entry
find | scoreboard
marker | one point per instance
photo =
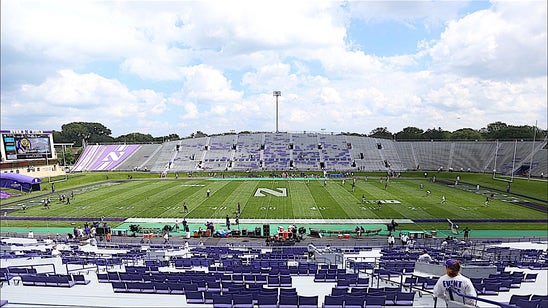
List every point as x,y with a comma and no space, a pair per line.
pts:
26,144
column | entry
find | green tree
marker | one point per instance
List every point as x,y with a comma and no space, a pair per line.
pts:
381,132
89,131
170,137
514,132
59,137
410,133
436,134
496,126
78,153
66,157
135,138
466,134
198,134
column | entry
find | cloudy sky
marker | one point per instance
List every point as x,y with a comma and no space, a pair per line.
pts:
342,66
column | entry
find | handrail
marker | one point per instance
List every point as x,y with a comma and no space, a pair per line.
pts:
35,265
453,290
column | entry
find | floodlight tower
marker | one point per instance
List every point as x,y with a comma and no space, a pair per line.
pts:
276,94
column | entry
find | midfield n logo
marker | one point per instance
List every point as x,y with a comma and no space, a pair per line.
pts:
261,192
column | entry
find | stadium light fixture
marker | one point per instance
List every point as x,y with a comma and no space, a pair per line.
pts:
277,94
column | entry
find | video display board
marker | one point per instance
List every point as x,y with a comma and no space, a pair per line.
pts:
26,144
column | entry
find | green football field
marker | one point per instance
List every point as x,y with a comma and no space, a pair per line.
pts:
298,198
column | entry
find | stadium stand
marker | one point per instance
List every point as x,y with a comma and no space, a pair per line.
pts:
317,152
247,154
219,151
276,154
305,154
138,159
335,152
234,274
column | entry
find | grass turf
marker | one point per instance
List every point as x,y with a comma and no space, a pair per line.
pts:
111,195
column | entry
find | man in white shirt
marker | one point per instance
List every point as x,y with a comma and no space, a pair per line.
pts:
55,252
454,280
425,257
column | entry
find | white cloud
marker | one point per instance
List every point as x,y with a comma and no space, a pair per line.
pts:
70,96
182,66
505,42
207,84
66,30
406,12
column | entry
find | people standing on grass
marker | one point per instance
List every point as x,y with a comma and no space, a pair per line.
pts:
443,199
185,208
208,192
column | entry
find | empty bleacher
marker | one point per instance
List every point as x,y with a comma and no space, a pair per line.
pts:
247,155
218,152
316,152
335,152
305,154
200,276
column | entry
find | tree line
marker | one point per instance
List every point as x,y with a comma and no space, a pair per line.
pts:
493,131
91,132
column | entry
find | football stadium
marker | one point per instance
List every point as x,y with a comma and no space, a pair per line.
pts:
255,219
273,154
